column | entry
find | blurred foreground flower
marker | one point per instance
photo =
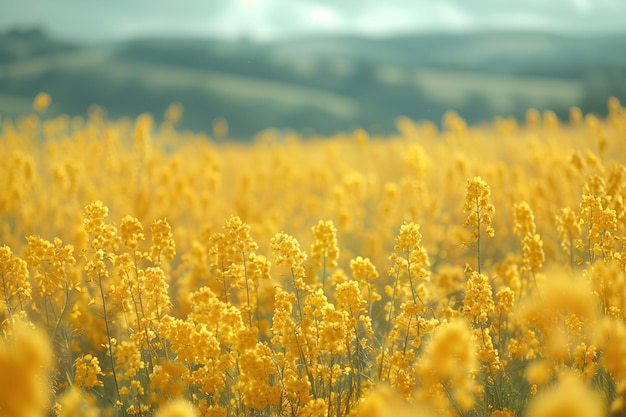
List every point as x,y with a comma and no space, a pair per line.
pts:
571,397
25,366
177,408
385,401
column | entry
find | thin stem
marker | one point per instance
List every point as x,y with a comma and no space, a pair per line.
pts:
110,347
8,303
256,308
224,283
478,234
406,336
571,251
295,287
245,272
387,324
63,311
589,247
451,398
330,385
408,268
324,273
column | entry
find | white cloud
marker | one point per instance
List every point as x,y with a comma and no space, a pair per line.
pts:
582,6
267,19
440,16
321,15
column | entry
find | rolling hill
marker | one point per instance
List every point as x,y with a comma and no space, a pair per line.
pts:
327,84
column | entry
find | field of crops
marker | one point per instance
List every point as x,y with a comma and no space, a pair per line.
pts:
463,271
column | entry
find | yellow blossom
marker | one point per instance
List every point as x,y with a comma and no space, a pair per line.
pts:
87,370
131,232
287,251
178,408
532,248
449,361
480,211
570,397
14,284
163,244
324,252
25,368
75,402
478,303
41,102
524,219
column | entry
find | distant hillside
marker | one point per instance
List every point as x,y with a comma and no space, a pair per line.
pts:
22,44
328,84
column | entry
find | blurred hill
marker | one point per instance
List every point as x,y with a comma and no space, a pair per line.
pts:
327,84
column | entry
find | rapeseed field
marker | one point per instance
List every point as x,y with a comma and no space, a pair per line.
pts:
455,271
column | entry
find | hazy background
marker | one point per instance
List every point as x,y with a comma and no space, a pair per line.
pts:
93,20
326,65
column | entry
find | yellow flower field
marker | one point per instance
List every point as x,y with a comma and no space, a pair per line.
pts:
463,271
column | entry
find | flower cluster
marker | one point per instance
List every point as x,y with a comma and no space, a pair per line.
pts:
172,275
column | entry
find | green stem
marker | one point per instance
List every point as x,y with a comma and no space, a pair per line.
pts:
478,235
8,304
63,311
387,324
245,272
110,347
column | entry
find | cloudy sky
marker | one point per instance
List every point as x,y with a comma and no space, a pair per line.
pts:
96,20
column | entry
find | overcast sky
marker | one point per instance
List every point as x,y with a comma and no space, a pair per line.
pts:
96,20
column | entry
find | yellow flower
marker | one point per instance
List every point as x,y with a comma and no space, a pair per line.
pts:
41,102
333,331
568,228
599,221
570,397
610,339
478,303
50,262
129,361
348,297
585,360
177,408
539,372
14,283
155,293
103,236
480,210
450,362
170,380
561,296
174,113
524,219
131,232
142,134
505,412
287,251
25,368
364,272
163,244
87,370
532,248
363,269
505,300
325,252
410,258
257,370
75,402
384,401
